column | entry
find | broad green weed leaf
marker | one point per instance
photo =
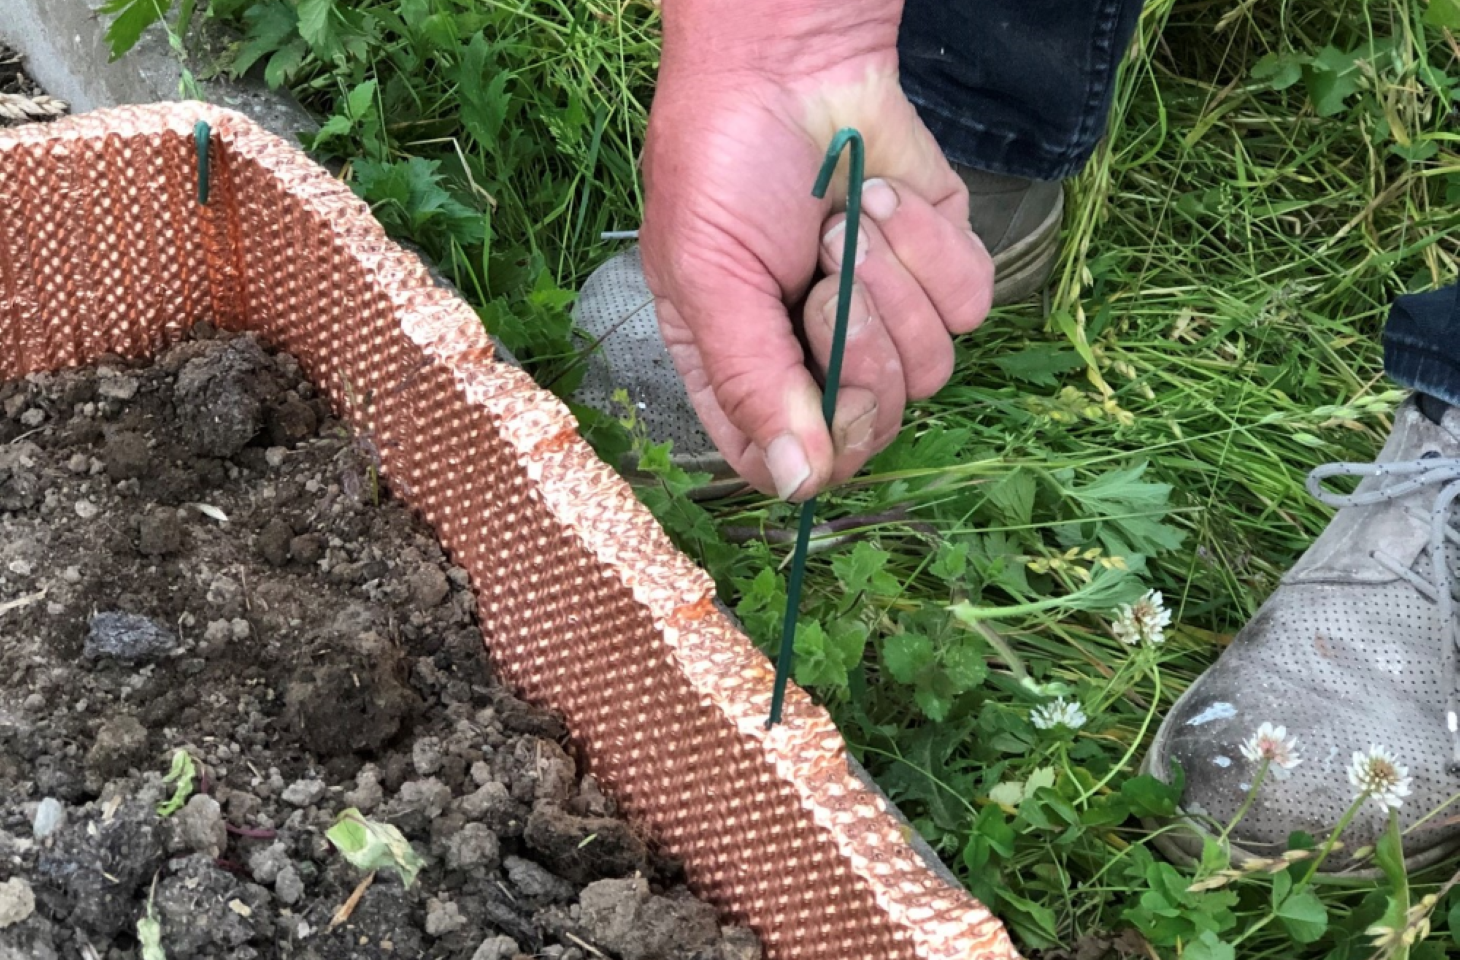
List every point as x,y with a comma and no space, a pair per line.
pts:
1040,365
951,561
1209,946
906,655
1303,916
1278,71
361,99
314,25
270,26
1444,14
1149,797
370,845
1333,77
132,18
1013,498
284,62
964,664
861,570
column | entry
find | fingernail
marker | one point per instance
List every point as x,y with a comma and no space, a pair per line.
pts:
786,460
857,313
833,241
859,432
879,199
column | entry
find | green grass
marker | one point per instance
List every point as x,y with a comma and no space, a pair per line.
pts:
1276,172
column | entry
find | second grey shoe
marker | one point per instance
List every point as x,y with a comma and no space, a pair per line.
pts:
1354,652
1019,222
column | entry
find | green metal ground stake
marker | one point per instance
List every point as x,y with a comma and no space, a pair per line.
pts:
846,136
202,138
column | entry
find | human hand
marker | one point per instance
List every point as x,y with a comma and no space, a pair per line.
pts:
732,237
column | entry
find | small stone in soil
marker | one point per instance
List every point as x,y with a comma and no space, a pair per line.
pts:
120,743
304,793
200,827
273,542
624,917
50,816
585,848
17,902
473,846
266,864
497,948
536,885
197,905
128,638
159,533
99,865
126,455
288,887
443,917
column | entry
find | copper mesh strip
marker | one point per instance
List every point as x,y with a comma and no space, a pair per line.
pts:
584,603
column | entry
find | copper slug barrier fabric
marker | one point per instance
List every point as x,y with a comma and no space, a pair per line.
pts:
585,605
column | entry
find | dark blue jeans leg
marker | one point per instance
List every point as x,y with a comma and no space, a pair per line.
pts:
1422,343
1020,87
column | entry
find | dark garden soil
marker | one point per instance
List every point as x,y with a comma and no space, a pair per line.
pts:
194,556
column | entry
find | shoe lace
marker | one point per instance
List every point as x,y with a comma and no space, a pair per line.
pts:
1443,475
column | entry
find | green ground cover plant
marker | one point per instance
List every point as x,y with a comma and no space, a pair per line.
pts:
1276,172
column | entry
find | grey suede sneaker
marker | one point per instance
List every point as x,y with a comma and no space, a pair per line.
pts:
1355,649
626,351
1018,220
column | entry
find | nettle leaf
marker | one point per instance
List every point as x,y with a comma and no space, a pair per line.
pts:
950,562
937,446
861,571
1130,508
132,18
1040,365
762,603
285,61
1304,916
1278,71
361,99
1013,498
1444,14
316,29
824,657
269,28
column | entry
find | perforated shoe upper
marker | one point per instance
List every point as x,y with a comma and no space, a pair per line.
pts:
616,310
1349,652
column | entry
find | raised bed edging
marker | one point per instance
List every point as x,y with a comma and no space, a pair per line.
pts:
585,605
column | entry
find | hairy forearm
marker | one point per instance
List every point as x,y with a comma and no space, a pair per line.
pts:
776,36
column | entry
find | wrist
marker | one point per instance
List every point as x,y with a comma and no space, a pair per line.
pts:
788,38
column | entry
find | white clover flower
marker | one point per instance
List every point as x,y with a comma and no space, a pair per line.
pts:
1146,619
1058,713
1375,774
1274,745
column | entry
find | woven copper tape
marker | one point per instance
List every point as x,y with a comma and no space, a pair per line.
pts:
585,605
